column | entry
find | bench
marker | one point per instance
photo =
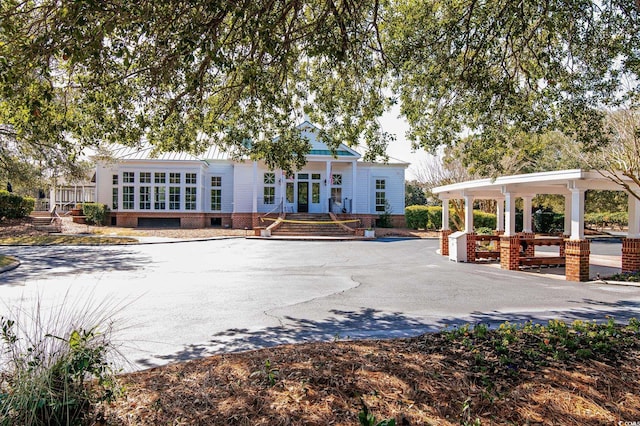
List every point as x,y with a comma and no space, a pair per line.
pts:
542,261
487,254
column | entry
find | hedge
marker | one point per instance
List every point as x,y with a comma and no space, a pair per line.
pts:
430,217
607,220
13,206
95,213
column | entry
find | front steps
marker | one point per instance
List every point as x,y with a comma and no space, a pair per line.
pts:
305,224
43,221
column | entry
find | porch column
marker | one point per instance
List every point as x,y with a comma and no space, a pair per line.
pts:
567,215
354,185
509,241
283,190
445,231
510,214
328,187
631,244
577,248
468,228
500,216
526,214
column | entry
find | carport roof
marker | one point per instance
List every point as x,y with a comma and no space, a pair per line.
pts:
555,182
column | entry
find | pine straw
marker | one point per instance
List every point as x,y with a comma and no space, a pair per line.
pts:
425,380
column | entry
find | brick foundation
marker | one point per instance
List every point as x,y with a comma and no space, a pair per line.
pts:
471,247
187,220
630,254
510,252
444,241
577,260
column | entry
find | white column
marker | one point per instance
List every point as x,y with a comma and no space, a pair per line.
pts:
510,214
500,215
255,187
577,214
283,190
634,217
445,214
567,215
327,187
468,213
354,179
526,214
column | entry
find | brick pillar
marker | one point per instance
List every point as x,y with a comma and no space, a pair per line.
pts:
630,254
495,245
562,250
471,247
577,260
510,252
444,241
530,251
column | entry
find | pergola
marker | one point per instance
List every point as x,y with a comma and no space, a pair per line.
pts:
571,184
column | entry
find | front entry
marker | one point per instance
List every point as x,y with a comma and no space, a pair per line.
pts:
303,196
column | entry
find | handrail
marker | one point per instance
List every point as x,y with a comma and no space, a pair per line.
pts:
278,206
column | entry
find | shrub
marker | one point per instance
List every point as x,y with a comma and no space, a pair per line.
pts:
47,360
13,206
95,213
548,221
484,220
416,217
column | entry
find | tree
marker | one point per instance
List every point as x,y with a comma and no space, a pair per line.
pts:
620,157
414,194
185,74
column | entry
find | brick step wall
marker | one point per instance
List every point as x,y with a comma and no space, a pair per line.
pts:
314,229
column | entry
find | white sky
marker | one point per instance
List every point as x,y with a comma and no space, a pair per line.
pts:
401,148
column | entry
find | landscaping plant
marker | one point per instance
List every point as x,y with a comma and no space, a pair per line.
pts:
56,365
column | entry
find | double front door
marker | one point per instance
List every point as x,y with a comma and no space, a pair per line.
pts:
304,194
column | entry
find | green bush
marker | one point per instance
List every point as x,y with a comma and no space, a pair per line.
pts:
484,220
607,220
95,213
416,217
55,365
548,222
13,206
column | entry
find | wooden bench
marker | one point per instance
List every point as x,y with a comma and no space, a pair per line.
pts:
542,261
487,254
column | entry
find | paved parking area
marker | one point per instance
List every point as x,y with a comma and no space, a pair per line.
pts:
191,299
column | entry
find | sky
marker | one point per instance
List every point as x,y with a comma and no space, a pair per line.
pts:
401,147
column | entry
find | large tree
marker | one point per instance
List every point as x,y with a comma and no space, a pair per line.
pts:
184,74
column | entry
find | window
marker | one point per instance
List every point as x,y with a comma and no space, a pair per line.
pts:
145,196
114,179
174,198
381,198
303,176
159,198
315,176
190,178
336,180
160,177
174,178
270,178
269,193
190,198
127,197
216,193
128,177
290,192
114,198
336,195
315,192
145,177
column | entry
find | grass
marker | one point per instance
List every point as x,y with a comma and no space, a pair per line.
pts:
6,260
71,240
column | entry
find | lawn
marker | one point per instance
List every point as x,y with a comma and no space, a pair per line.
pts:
5,260
576,374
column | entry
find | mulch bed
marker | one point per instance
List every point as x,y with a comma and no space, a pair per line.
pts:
431,379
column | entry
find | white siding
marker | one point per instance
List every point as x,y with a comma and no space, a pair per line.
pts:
243,187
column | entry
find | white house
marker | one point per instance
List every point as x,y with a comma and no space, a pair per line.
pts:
179,189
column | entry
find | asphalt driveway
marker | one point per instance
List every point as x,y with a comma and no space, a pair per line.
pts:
191,299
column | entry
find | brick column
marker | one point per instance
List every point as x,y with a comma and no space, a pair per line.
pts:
471,247
444,241
577,260
510,252
530,251
562,250
630,254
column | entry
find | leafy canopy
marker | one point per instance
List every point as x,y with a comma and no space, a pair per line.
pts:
239,74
